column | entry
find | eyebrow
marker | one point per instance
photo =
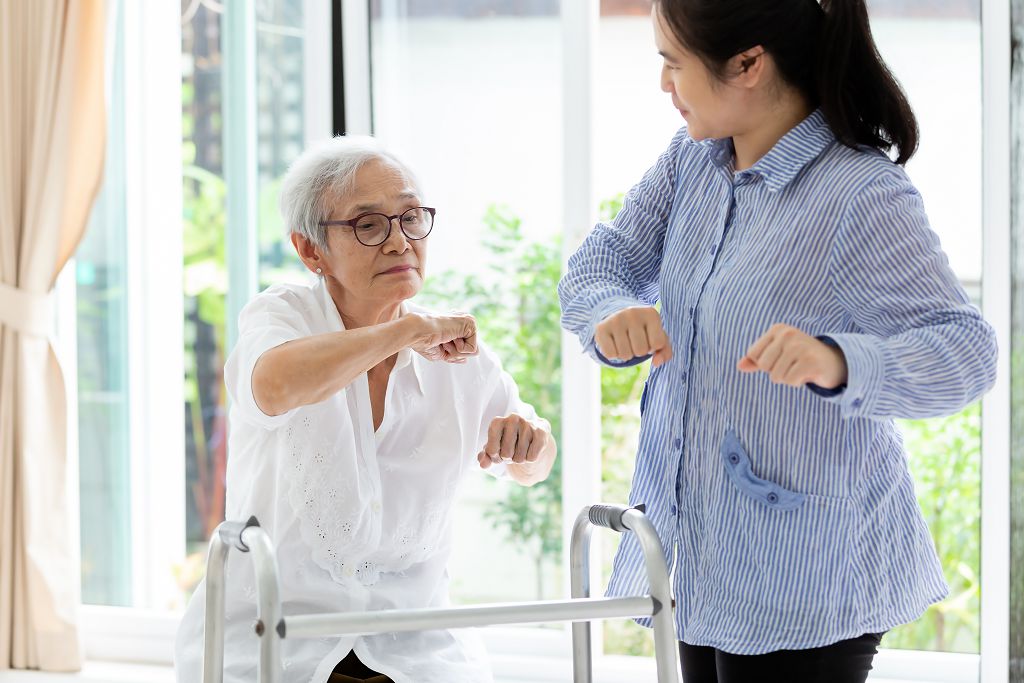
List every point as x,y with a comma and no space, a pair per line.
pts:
362,208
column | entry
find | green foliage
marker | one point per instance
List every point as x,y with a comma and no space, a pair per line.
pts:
523,328
945,459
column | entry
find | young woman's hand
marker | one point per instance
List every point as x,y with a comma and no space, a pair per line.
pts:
794,358
634,333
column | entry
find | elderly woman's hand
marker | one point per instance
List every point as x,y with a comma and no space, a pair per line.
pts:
515,440
450,338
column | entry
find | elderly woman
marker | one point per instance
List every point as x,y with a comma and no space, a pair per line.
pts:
354,416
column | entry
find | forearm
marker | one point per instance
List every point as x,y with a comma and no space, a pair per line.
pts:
311,369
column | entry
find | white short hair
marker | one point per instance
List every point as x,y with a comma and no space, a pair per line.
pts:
324,172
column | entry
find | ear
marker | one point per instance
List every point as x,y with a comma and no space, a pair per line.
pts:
309,253
750,67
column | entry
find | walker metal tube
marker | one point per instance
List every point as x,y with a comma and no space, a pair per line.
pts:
392,621
579,583
213,633
665,643
269,625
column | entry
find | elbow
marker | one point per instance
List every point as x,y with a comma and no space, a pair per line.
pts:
268,391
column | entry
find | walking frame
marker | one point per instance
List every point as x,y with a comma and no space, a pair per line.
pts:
272,626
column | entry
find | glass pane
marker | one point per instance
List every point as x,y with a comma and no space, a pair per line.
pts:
280,133
103,412
1016,626
485,140
944,453
279,121
206,278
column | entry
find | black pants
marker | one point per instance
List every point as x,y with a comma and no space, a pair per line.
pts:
351,670
847,661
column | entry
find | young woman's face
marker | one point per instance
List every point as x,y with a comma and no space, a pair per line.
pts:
712,108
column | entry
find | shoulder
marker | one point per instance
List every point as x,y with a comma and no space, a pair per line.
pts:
288,304
857,170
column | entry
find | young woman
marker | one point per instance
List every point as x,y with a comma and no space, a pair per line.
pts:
805,303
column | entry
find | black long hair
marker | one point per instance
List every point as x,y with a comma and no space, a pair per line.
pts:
824,49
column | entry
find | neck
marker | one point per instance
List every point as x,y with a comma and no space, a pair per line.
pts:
778,120
361,313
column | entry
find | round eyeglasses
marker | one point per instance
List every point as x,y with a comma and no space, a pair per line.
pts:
373,229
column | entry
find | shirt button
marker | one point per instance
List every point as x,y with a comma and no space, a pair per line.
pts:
673,509
683,378
691,310
348,571
734,458
857,403
376,506
677,443
773,498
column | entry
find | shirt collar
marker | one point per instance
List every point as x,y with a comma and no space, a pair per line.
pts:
787,158
405,357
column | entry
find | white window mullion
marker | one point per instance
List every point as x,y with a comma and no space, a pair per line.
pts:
580,449
996,251
355,27
317,70
154,291
241,160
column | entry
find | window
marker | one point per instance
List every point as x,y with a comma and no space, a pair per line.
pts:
485,134
469,95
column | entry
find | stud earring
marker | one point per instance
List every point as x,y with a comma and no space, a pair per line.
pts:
319,271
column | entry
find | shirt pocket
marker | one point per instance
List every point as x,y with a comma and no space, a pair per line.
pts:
783,557
740,470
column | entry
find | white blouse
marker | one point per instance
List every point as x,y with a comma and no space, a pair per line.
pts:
361,520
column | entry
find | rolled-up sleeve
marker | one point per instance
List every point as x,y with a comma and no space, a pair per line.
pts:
619,263
920,348
266,322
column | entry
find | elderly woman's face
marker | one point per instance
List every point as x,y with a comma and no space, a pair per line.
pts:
392,271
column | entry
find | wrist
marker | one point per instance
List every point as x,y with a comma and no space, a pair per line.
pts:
411,329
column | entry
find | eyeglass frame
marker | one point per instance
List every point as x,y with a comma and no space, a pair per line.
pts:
351,223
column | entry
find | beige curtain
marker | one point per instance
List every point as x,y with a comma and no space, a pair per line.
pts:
52,131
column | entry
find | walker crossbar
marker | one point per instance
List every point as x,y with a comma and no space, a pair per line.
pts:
271,627
393,621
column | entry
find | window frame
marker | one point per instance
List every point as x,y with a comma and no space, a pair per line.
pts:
153,189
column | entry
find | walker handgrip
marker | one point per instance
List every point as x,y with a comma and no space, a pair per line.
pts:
231,532
608,516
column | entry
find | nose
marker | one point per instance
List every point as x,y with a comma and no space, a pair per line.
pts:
397,242
666,81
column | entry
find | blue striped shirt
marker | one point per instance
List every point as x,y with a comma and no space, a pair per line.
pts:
787,514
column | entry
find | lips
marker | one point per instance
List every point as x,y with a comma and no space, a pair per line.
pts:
397,269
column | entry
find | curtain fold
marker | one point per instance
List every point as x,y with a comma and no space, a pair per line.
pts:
52,133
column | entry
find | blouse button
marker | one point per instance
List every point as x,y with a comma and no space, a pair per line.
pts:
734,458
773,498
376,506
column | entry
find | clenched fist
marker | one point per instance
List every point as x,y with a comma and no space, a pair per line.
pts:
449,338
513,439
634,333
795,358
